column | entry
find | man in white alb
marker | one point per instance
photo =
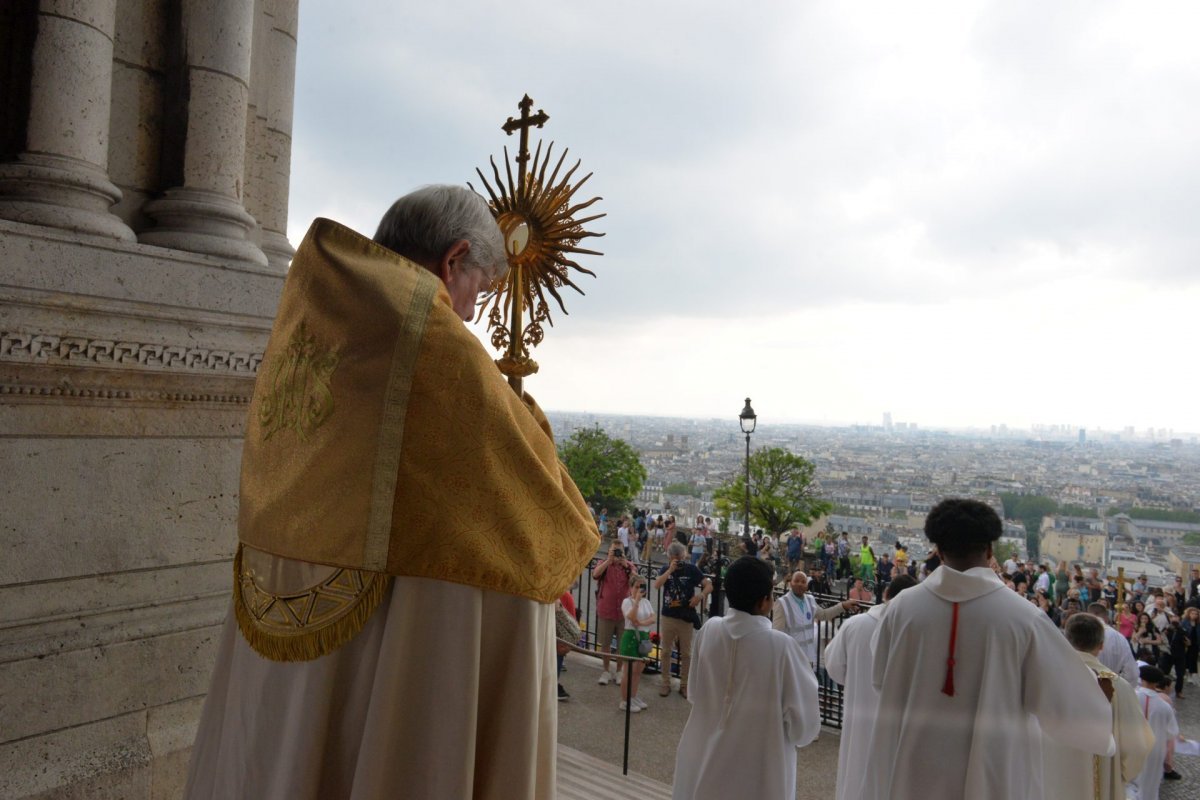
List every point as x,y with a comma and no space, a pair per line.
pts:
850,661
754,700
966,672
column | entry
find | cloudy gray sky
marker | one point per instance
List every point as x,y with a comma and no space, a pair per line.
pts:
964,213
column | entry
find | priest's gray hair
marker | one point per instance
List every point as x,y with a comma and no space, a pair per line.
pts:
423,224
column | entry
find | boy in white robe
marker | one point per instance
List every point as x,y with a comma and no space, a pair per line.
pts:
1074,775
962,668
753,696
1161,716
850,660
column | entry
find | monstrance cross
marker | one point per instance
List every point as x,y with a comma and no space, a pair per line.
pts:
524,124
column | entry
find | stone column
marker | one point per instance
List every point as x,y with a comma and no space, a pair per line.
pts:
206,214
61,179
276,78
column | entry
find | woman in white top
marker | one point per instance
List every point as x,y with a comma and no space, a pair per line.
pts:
639,616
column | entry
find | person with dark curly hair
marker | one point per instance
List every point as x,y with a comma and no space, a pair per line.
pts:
753,696
962,667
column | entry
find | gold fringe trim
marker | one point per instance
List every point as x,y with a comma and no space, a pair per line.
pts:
306,644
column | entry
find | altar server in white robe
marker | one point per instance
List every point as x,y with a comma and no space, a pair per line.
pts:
1117,655
850,661
753,696
1161,716
963,668
1074,775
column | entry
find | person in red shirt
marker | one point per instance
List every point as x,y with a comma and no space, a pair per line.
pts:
612,586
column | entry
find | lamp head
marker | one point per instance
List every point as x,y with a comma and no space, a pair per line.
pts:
748,418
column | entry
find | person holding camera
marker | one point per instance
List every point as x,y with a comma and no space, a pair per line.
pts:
684,588
612,587
638,616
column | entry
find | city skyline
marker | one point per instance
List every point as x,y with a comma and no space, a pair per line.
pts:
966,213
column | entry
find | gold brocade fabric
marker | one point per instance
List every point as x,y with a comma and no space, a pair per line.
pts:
383,438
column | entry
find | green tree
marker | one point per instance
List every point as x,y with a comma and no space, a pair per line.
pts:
1004,550
1029,509
782,495
607,471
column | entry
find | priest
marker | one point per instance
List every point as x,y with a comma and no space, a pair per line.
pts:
1074,775
966,672
405,528
850,661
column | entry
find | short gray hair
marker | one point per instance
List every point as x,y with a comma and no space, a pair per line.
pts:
676,550
423,224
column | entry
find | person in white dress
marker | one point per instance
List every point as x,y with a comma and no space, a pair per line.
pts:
966,672
753,696
850,660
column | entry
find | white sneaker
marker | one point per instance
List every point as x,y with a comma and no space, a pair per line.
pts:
603,678
640,703
617,676
633,709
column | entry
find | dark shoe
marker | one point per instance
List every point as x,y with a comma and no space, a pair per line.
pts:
562,694
1172,776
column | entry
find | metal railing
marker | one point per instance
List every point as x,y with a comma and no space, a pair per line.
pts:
830,693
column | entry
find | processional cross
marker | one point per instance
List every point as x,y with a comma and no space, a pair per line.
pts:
541,232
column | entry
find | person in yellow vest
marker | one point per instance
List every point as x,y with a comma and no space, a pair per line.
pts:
866,561
405,528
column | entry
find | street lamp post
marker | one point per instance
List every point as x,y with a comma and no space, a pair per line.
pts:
748,419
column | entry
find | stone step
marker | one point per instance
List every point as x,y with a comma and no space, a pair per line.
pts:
584,777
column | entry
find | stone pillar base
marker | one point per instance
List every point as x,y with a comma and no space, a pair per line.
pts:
62,193
201,221
278,249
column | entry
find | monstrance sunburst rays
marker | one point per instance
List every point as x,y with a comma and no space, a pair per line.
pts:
537,217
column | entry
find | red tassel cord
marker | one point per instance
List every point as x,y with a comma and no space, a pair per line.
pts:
948,688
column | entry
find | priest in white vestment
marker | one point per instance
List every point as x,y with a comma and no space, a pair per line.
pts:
797,614
405,528
1074,775
753,696
966,671
850,661
1161,716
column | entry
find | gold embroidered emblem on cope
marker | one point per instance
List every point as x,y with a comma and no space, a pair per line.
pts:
298,395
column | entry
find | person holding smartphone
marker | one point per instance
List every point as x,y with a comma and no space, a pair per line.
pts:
612,587
684,589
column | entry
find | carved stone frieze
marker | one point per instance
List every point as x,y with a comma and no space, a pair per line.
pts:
29,346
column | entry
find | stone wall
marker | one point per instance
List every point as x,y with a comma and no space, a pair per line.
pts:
143,210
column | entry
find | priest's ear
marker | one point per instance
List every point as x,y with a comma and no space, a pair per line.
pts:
763,609
452,260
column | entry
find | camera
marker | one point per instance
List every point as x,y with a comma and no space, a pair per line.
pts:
618,553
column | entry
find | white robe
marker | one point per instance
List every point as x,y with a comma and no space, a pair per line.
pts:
754,701
1011,664
1071,774
1117,655
850,661
1161,716
448,691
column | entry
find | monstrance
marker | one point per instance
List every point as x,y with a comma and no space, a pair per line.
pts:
541,235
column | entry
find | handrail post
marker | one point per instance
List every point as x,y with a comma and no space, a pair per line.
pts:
628,713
